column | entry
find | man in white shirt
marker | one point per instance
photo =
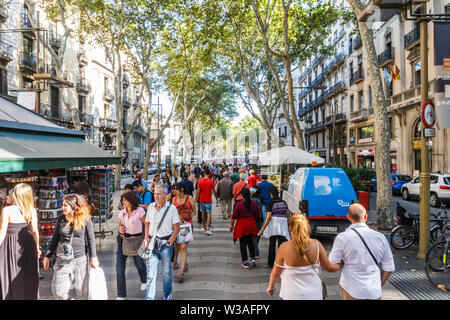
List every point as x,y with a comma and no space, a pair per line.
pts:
361,278
166,235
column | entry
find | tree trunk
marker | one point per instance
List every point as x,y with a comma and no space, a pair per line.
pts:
382,135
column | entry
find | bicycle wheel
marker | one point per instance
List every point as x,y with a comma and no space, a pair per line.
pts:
437,269
402,237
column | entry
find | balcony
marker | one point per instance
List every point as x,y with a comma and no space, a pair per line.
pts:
108,95
359,115
329,120
386,57
125,102
357,43
412,38
357,77
303,75
317,60
87,118
107,124
27,62
6,52
55,40
140,130
83,86
338,87
26,23
340,117
81,56
319,79
317,127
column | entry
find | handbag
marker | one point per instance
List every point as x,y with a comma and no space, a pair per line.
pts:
324,286
66,254
146,252
185,234
131,244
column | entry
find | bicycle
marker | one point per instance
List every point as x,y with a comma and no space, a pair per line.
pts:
407,231
437,264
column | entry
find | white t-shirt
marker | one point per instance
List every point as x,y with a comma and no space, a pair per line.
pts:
154,217
360,275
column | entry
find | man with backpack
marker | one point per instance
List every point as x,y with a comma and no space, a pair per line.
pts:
145,196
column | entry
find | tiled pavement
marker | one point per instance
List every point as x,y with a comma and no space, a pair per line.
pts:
214,269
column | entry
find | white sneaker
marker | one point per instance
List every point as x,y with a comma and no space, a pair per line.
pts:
121,298
209,232
143,286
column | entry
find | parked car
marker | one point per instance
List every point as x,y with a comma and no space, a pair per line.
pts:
323,195
397,182
153,169
439,189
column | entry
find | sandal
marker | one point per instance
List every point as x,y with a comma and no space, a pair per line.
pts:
180,277
175,265
185,268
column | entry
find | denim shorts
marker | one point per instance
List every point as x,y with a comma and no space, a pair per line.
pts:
205,206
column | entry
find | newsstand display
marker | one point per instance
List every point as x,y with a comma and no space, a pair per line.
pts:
101,182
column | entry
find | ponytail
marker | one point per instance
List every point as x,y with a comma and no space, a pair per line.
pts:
247,200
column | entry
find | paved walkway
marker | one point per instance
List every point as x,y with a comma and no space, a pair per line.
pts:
214,268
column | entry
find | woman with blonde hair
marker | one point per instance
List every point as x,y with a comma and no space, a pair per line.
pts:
68,242
19,247
300,277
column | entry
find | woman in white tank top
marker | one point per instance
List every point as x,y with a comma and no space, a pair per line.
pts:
299,279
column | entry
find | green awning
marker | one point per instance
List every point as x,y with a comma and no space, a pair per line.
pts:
24,151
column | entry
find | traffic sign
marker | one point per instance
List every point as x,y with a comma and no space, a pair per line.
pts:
429,132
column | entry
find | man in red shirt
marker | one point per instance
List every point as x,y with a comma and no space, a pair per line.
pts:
205,188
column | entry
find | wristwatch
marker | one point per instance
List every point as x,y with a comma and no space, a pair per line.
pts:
169,243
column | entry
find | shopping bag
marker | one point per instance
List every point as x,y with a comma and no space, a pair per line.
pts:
185,234
97,284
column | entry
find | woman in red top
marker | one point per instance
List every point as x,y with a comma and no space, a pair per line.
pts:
245,214
186,209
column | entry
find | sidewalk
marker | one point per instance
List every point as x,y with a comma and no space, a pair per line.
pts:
215,272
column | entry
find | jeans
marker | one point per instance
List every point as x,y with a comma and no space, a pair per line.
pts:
259,225
165,256
264,211
272,253
121,262
247,242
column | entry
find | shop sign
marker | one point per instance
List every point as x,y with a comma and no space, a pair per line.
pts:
352,139
366,153
366,140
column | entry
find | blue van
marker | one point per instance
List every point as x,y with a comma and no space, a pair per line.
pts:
323,195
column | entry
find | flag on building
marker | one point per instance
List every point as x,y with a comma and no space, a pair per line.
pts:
395,72
388,77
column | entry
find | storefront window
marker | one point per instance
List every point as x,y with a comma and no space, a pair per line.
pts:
365,134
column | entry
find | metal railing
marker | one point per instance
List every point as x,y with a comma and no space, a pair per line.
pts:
87,118
83,85
357,43
412,37
356,77
6,51
28,59
26,21
386,56
55,39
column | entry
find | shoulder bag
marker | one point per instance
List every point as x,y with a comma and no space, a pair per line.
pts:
64,252
324,286
146,252
367,247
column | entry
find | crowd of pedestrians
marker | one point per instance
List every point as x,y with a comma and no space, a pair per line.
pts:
156,212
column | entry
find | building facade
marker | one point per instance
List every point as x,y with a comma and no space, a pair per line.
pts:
29,77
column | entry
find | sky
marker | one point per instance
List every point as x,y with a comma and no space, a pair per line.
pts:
167,105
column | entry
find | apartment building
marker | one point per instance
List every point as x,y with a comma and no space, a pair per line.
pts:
28,76
323,98
398,46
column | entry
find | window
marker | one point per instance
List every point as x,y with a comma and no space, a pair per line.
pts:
447,8
323,139
4,82
366,132
352,106
434,179
370,97
391,128
388,40
360,99
416,72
